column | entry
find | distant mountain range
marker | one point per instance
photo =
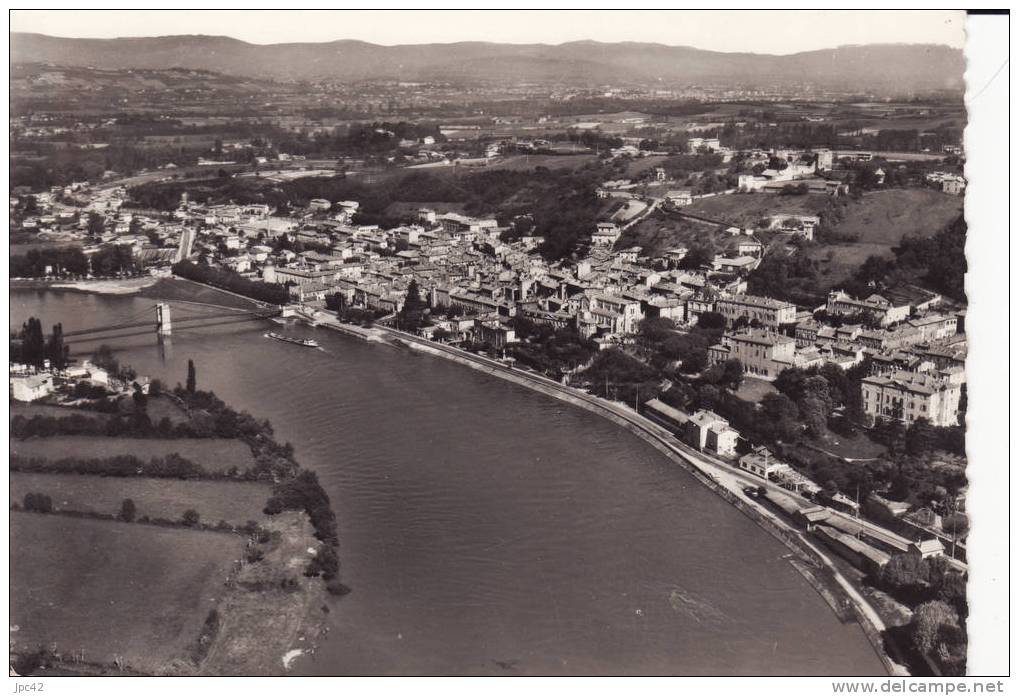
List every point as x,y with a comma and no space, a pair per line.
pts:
898,68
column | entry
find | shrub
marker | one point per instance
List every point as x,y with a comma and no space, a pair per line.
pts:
38,502
127,510
190,518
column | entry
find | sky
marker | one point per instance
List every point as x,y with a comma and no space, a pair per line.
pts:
766,31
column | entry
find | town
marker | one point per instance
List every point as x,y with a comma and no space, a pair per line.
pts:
765,286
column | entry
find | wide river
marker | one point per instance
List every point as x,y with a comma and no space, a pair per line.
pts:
487,529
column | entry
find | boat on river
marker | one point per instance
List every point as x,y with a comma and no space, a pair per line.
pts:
307,342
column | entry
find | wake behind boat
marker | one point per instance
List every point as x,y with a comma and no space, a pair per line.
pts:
310,343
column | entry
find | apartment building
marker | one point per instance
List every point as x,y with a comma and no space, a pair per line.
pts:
909,396
768,312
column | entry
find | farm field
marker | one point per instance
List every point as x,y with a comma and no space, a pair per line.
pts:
135,592
29,410
528,162
162,407
885,217
745,209
234,502
881,219
660,232
213,454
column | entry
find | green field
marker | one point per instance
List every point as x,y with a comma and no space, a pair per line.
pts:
881,219
885,217
745,209
162,407
661,231
29,410
213,454
170,289
114,590
234,502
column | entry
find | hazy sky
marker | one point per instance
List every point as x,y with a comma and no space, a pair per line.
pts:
759,32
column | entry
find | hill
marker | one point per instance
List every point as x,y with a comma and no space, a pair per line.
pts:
885,68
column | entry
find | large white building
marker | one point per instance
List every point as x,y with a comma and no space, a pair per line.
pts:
768,312
910,396
884,312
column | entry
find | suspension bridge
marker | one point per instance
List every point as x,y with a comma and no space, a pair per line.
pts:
196,315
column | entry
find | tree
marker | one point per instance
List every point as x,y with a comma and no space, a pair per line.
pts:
127,511
192,382
778,418
732,373
140,399
711,320
920,437
190,518
33,343
96,224
38,502
956,524
56,351
932,625
409,318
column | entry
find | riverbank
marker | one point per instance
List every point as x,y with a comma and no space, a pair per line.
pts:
245,576
718,476
104,286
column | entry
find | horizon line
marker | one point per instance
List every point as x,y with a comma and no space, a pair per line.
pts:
492,43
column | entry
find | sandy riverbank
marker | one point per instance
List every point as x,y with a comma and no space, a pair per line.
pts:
113,286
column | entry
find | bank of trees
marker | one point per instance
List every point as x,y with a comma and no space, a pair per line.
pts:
31,347
224,279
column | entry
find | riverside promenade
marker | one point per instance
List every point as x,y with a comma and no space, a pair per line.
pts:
716,474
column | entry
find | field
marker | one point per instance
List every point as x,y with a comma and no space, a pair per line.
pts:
753,389
528,162
745,210
162,407
881,219
885,217
30,410
213,454
170,289
234,502
661,231
114,590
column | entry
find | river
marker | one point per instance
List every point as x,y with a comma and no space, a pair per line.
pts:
487,529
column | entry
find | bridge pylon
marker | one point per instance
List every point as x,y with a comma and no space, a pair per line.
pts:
163,325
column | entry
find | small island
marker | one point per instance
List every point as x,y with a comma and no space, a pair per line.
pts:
156,531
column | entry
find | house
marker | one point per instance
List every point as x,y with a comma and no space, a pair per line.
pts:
740,264
763,311
708,431
31,387
606,234
680,197
603,313
494,333
761,462
910,396
935,327
881,309
927,548
749,247
763,354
